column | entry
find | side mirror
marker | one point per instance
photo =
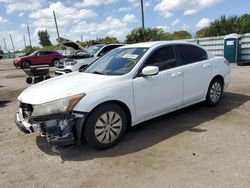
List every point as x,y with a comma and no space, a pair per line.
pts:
150,71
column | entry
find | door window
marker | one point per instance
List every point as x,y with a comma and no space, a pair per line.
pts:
164,58
191,54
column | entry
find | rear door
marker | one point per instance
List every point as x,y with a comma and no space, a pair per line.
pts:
157,94
196,71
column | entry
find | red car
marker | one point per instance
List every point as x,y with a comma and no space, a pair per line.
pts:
38,58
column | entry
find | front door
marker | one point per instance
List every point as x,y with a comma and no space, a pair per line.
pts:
160,93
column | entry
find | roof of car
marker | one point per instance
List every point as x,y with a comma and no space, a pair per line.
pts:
150,44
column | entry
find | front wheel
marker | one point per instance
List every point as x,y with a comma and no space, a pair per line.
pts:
105,126
214,92
25,64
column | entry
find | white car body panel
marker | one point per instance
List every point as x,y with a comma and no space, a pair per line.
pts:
145,97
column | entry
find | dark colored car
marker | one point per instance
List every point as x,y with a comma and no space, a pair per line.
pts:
38,58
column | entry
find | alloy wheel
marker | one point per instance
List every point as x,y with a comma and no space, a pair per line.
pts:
215,92
108,127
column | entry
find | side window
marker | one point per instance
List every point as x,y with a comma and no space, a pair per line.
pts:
42,53
191,54
107,49
164,58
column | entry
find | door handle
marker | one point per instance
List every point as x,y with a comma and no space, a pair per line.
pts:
176,74
206,65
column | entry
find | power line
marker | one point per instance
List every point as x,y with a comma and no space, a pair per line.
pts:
142,15
5,44
56,24
12,43
24,40
28,28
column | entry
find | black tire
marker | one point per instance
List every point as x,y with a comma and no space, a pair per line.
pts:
214,93
25,64
94,125
53,63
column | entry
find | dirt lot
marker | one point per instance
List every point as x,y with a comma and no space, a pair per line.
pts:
194,147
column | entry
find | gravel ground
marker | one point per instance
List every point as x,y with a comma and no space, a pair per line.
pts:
194,147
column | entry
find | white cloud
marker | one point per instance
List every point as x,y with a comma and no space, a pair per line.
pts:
165,28
122,9
129,18
204,22
66,16
86,3
176,22
135,3
22,26
185,27
111,26
187,7
119,33
3,20
21,14
24,5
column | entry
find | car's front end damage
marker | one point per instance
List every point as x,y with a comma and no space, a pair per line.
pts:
55,120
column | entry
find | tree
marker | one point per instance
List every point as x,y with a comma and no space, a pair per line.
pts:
44,38
148,34
181,35
245,23
108,40
226,25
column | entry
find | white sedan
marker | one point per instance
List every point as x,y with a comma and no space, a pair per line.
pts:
129,85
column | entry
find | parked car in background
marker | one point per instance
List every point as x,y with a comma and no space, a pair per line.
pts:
81,57
129,85
38,58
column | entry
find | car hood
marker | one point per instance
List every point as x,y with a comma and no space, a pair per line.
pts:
68,44
65,86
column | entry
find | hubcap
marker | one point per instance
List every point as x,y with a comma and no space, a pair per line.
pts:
108,127
215,92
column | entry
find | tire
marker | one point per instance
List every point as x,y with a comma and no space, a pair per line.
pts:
105,126
54,62
214,92
26,64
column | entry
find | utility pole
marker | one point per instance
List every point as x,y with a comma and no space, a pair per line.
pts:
142,20
56,24
81,38
24,40
5,44
28,28
12,43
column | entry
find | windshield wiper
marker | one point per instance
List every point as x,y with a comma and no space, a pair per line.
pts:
96,72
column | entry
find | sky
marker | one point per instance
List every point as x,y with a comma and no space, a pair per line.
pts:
89,19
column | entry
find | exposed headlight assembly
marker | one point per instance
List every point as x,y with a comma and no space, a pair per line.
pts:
58,106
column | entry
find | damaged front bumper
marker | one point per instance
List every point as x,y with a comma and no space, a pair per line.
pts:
57,128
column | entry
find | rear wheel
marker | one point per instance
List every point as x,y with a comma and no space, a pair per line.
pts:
214,92
105,126
25,64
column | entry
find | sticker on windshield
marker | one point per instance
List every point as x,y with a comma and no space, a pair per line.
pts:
130,56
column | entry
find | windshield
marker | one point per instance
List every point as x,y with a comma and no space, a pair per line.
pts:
119,61
93,49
